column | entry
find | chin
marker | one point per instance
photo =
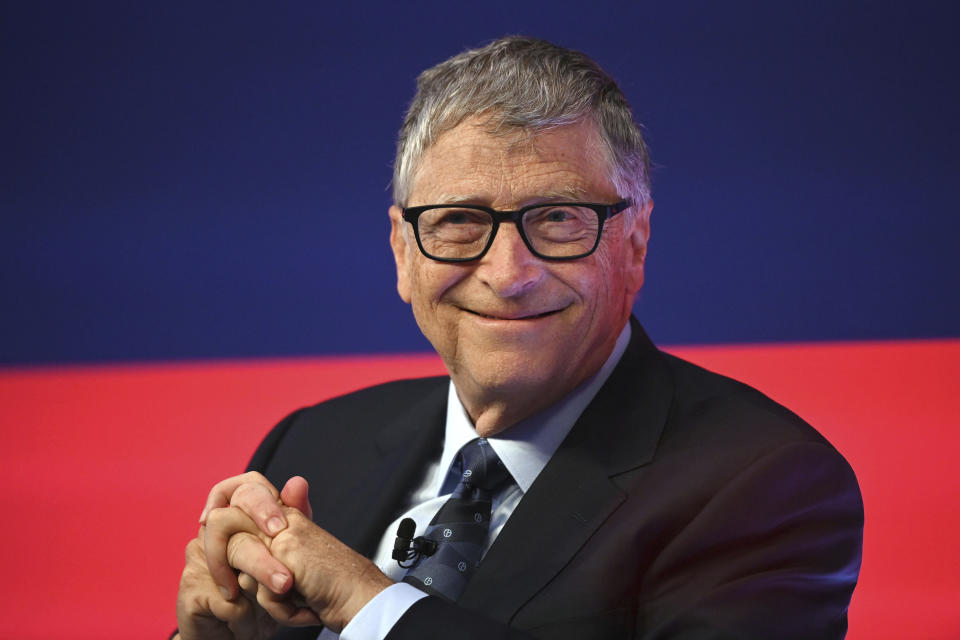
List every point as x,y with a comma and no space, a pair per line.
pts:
510,372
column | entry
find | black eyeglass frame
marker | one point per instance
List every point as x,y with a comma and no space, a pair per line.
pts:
604,212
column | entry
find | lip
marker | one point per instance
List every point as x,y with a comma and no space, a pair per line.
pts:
521,316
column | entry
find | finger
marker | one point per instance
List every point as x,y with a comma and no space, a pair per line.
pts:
290,612
295,494
220,493
238,614
251,556
201,609
247,553
248,585
261,504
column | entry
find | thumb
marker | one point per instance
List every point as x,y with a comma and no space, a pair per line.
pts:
294,494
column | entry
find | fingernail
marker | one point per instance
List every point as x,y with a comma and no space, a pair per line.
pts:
279,581
275,525
203,515
224,593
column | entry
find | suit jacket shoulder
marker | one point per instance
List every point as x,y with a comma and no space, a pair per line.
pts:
699,392
359,452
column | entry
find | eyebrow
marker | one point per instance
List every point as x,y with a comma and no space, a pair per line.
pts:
445,198
568,192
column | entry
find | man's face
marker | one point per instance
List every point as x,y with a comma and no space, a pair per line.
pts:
513,328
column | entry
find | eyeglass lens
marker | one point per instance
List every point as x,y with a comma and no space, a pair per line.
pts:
552,231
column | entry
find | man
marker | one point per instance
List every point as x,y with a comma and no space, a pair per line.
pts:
614,491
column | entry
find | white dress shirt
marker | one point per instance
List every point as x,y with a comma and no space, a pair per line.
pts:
524,448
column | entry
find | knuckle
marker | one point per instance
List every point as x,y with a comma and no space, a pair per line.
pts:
189,603
255,477
251,493
238,549
242,493
254,494
219,489
234,549
283,544
295,518
218,518
193,550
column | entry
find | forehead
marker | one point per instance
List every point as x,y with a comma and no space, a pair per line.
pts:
509,169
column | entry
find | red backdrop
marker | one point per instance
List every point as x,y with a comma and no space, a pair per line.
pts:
105,468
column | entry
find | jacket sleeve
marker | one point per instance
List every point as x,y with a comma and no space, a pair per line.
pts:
774,554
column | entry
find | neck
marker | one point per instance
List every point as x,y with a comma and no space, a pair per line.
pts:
492,411
492,418
495,418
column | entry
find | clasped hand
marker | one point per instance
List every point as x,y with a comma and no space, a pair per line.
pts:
259,561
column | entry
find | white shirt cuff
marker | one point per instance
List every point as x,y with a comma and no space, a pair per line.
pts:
377,617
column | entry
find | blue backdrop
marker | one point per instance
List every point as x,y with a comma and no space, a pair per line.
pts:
193,180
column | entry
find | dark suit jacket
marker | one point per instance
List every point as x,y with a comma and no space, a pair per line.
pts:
681,505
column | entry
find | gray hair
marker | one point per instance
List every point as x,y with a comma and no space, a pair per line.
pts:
527,84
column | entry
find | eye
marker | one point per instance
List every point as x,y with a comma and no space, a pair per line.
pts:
455,217
558,215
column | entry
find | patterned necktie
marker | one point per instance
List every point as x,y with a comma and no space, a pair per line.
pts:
461,526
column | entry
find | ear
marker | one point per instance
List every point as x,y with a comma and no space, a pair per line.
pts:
401,252
637,237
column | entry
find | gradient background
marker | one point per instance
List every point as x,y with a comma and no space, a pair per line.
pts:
193,202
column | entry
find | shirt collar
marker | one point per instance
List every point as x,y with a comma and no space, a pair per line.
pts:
526,447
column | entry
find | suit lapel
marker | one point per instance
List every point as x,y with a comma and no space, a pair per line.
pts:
574,494
393,463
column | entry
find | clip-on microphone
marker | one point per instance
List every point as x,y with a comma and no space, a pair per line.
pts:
406,548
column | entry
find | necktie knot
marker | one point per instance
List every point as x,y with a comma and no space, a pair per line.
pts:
480,467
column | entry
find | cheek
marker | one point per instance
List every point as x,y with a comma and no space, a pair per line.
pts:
606,288
429,282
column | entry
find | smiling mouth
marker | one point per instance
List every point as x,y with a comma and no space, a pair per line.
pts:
534,316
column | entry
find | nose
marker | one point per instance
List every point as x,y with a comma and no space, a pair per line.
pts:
508,267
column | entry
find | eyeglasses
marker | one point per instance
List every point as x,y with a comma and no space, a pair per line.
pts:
555,231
